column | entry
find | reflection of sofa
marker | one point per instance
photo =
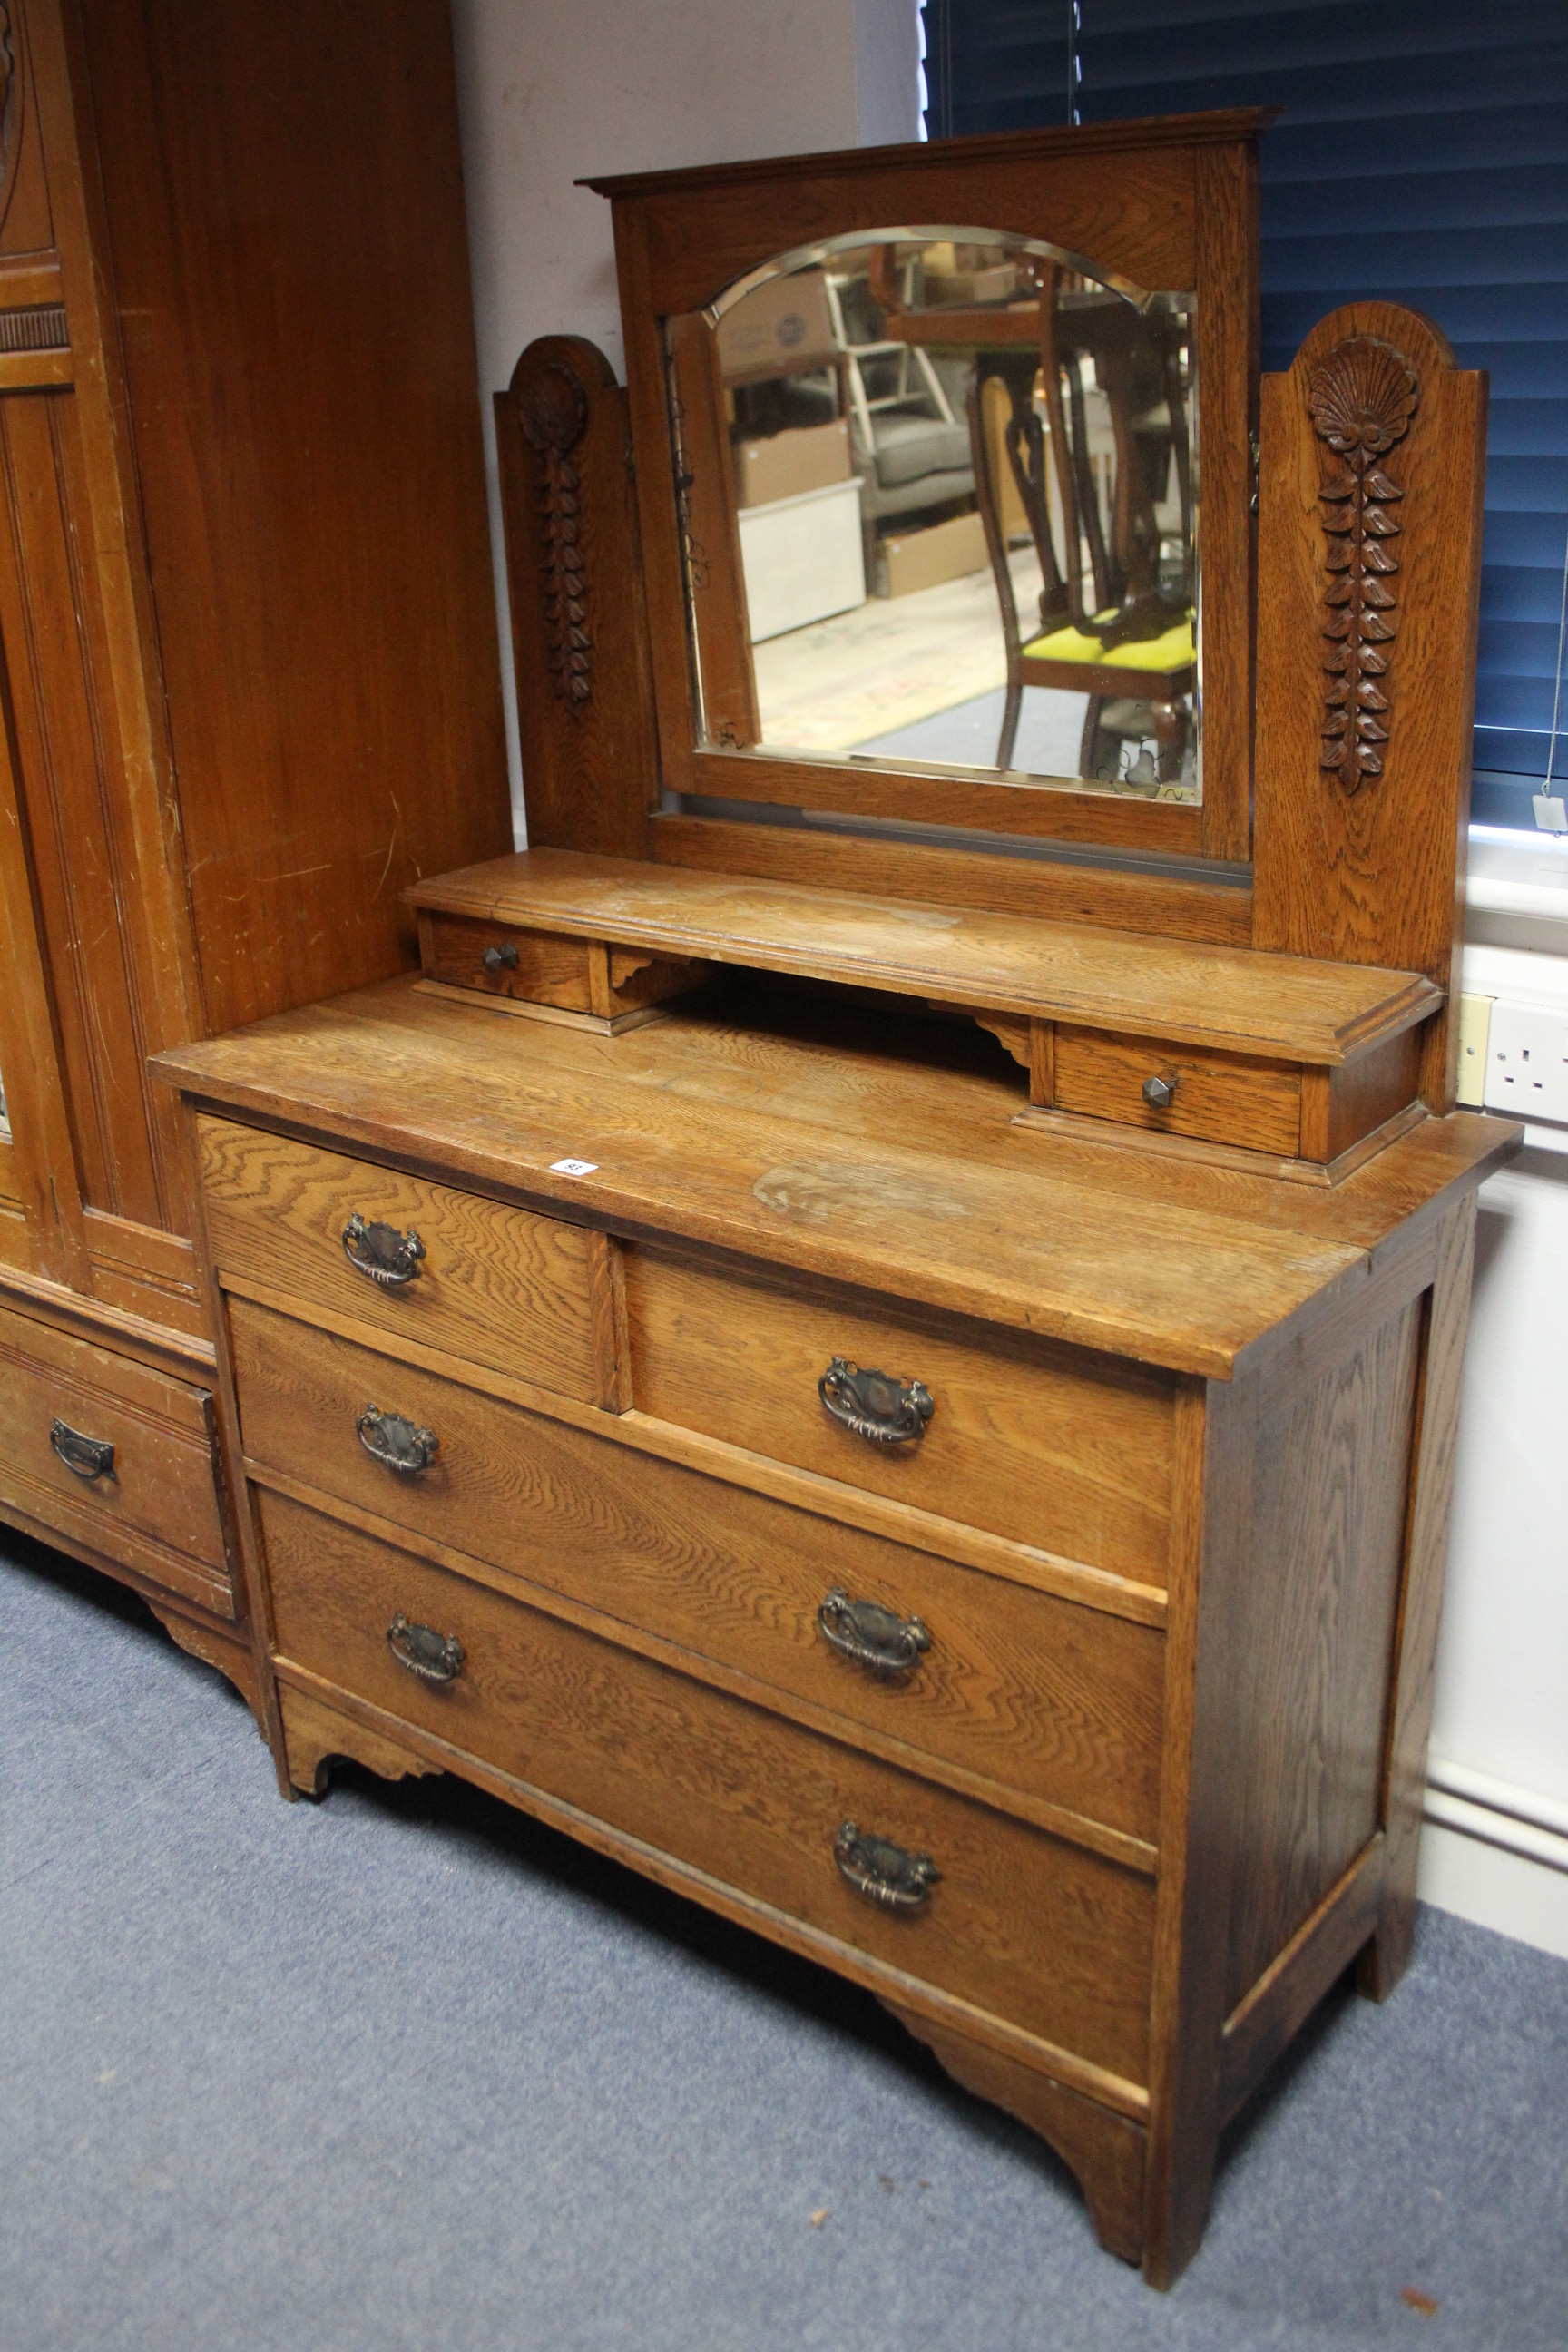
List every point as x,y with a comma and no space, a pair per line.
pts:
909,440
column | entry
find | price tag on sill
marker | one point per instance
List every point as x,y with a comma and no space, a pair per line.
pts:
572,1167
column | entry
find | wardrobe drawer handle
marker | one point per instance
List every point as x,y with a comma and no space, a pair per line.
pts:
88,1457
1160,1093
873,1636
380,1253
502,959
882,1870
875,1405
396,1443
433,1657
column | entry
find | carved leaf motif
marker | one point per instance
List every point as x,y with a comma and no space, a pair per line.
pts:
1361,399
553,409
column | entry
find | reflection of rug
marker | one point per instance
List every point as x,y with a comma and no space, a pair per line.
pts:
1050,734
888,664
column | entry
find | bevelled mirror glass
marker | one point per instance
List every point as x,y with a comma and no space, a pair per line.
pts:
939,512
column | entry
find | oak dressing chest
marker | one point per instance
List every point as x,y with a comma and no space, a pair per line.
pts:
877,1333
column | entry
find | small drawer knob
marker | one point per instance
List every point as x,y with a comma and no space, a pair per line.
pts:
383,1254
395,1443
430,1657
873,1636
882,1872
877,1406
501,958
1160,1092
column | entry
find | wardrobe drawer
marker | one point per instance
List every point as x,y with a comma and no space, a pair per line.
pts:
1051,1445
524,1295
1222,1098
1028,1926
112,1455
1056,1700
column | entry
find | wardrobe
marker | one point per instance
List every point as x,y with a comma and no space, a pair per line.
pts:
249,667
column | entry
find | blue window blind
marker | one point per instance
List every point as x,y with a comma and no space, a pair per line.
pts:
1423,155
997,65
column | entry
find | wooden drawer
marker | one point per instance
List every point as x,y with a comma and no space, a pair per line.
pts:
154,1508
531,967
1055,1939
1061,1702
1222,1098
524,1295
1053,1446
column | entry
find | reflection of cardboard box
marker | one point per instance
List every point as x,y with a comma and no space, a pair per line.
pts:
943,550
780,327
807,457
969,285
801,559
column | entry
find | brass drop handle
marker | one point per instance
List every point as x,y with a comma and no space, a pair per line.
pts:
873,1636
875,1405
1160,1092
88,1457
433,1657
383,1254
502,959
882,1872
396,1443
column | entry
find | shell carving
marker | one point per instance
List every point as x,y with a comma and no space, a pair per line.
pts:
1361,399
553,408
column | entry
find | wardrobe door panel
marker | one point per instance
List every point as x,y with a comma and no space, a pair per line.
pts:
64,756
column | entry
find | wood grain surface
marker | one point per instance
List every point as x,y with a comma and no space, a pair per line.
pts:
1315,1636
1214,908
1030,1692
1414,1657
158,1509
1052,1938
993,1233
1232,1098
591,771
1376,877
496,1286
305,434
1052,1447
1234,1000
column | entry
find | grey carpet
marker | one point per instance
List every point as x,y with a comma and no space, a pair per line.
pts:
406,2070
1050,738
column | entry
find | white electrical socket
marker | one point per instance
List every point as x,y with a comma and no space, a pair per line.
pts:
1527,1062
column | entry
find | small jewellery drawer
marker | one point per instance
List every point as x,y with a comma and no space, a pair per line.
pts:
1036,1693
1050,1445
534,967
1172,1089
1055,1939
525,1294
112,1455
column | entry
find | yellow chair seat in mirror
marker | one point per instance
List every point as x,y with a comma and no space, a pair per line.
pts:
1175,649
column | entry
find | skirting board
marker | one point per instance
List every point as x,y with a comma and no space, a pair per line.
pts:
1496,1855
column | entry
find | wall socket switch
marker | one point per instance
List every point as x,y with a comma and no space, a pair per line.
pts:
1527,1062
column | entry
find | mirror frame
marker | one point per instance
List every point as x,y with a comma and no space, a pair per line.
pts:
1170,203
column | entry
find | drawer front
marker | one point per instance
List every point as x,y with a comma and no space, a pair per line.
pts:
534,967
1221,1098
1056,1700
113,1455
524,1294
1052,1446
1056,1940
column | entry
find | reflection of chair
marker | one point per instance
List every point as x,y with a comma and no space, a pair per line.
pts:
910,451
1129,644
